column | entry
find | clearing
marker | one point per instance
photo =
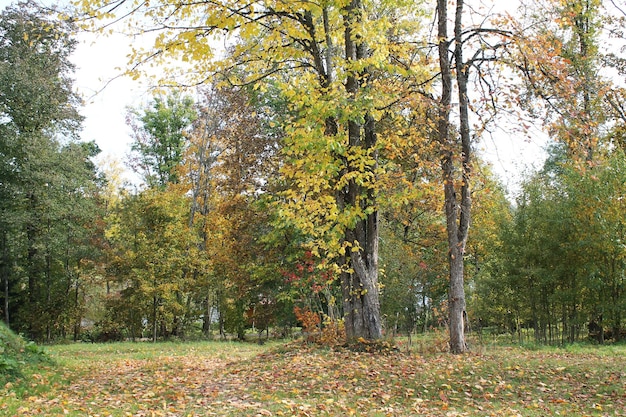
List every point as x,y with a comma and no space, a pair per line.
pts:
241,379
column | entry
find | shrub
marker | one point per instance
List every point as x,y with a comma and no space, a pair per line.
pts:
16,353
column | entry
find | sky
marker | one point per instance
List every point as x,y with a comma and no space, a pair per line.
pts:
107,97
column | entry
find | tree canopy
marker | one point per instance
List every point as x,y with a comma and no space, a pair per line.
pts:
48,183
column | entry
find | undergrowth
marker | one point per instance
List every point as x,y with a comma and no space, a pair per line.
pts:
17,355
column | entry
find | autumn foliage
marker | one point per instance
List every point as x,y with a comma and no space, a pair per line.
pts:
323,170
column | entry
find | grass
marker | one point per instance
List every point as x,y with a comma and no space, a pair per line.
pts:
244,379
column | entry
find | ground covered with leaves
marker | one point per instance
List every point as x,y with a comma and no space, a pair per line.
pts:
237,379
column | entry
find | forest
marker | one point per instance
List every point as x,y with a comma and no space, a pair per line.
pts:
315,167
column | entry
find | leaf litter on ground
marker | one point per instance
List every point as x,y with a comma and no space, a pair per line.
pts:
236,379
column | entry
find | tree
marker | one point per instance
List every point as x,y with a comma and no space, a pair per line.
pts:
47,181
339,80
413,242
559,60
457,221
229,167
466,57
492,301
159,137
36,72
155,282
154,255
560,265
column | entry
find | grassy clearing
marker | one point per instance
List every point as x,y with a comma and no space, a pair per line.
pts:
236,379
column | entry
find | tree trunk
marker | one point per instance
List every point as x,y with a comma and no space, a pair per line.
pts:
154,319
5,271
457,213
456,303
6,300
206,319
78,315
361,301
360,285
32,256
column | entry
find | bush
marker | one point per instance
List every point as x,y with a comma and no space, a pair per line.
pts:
16,353
104,331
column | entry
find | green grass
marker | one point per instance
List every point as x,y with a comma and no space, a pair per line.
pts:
244,379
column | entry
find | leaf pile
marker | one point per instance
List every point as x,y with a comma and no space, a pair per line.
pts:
296,380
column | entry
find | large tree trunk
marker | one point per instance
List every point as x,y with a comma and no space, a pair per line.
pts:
457,213
360,288
360,285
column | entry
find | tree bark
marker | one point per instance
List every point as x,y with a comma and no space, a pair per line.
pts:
360,283
457,212
4,270
154,319
7,317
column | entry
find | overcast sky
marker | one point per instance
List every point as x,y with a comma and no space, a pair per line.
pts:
98,59
106,95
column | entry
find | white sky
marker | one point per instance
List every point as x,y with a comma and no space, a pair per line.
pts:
98,59
106,95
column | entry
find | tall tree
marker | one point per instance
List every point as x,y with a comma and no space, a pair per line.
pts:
338,76
559,60
413,240
229,166
159,137
457,213
563,263
44,171
492,303
468,50
154,254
